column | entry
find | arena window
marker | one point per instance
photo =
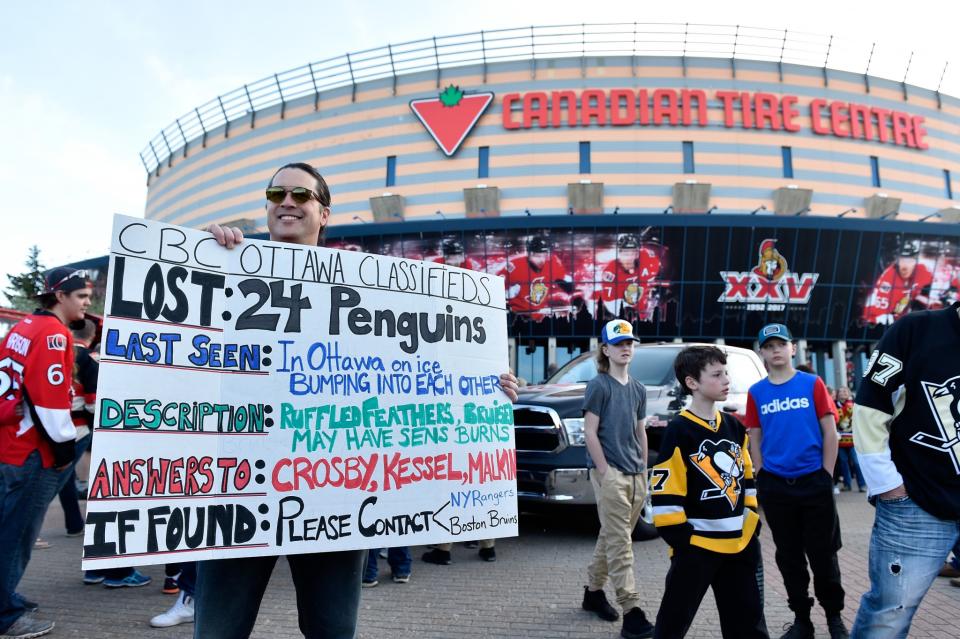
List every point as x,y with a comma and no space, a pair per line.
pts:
483,162
787,153
391,170
688,164
874,171
585,157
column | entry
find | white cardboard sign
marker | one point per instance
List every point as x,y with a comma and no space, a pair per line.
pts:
279,399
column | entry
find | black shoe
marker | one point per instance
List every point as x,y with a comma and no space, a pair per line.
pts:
801,628
635,625
437,556
596,601
488,554
836,627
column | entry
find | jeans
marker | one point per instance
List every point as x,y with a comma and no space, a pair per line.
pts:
69,498
25,493
803,521
907,549
736,590
229,592
188,578
848,461
398,558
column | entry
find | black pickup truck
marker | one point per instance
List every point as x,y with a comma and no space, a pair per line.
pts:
548,422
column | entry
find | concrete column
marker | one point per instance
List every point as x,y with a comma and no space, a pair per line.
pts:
719,341
551,351
594,344
801,351
512,354
839,351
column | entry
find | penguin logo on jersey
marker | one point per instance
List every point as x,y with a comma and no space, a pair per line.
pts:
944,402
722,463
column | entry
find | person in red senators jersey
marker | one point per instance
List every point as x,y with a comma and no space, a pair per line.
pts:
537,282
626,282
901,284
36,433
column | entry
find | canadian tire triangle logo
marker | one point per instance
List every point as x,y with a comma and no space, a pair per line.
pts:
450,117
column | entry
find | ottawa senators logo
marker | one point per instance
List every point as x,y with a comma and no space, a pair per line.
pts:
722,463
944,401
770,264
631,294
538,291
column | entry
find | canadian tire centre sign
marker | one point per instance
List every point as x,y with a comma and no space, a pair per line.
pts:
452,115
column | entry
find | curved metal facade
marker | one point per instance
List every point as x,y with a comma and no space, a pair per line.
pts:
349,136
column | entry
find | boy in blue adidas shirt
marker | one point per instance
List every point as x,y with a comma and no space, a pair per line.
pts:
793,444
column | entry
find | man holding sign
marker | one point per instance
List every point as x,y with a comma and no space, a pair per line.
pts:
229,591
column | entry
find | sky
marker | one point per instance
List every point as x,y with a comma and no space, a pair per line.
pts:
84,86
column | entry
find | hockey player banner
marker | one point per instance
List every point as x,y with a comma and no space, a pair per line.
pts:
280,399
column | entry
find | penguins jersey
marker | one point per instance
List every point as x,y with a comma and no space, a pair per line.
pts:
37,355
702,488
906,419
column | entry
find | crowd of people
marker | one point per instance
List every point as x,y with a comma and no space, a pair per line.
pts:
714,475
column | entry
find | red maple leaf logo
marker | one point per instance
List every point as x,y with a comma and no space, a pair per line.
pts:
450,116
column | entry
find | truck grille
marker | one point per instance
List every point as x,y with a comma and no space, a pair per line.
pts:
537,429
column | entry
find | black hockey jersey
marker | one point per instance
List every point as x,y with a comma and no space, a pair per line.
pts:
702,488
906,420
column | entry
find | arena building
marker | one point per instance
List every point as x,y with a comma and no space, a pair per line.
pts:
699,181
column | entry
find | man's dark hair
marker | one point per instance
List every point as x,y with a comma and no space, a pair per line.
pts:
323,191
86,331
691,361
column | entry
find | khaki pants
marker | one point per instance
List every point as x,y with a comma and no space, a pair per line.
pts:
620,499
484,543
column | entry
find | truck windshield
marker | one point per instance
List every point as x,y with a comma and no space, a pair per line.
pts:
650,366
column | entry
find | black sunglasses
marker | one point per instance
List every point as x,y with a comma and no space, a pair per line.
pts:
277,194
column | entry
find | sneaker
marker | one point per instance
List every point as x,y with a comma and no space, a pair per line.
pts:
170,586
92,577
799,629
401,579
31,606
372,583
596,601
836,490
635,625
845,489
948,571
861,489
382,554
437,556
180,612
26,627
836,627
134,580
75,533
41,544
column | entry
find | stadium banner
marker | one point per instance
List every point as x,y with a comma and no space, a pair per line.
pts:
280,399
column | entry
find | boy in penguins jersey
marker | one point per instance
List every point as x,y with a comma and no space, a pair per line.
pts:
705,506
906,428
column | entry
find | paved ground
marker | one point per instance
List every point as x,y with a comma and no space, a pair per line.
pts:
534,590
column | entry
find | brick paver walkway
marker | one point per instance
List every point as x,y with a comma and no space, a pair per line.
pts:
534,590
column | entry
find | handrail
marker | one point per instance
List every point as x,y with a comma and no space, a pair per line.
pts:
532,43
